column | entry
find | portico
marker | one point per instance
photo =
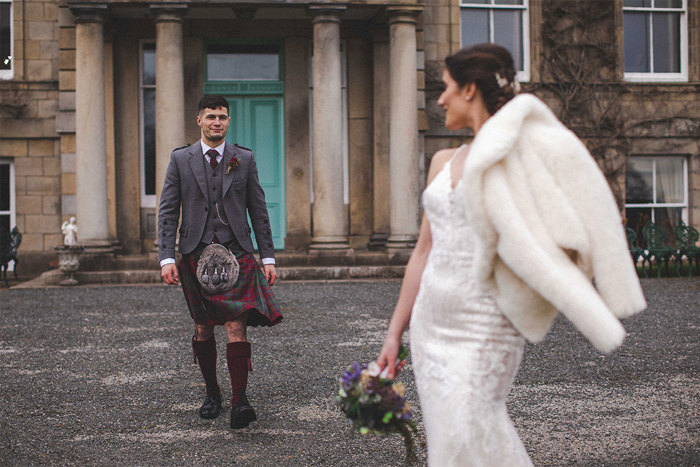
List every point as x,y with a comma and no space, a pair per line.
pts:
348,74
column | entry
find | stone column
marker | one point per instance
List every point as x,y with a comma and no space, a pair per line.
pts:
403,130
91,155
330,222
381,177
170,87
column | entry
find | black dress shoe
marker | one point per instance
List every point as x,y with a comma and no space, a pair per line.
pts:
211,408
242,413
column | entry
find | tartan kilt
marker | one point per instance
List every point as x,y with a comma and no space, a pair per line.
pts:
250,293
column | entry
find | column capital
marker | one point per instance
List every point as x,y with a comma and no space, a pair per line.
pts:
168,12
88,12
326,13
404,14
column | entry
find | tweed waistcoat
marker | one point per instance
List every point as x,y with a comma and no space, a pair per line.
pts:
217,222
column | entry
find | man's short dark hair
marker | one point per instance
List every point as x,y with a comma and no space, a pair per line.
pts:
213,101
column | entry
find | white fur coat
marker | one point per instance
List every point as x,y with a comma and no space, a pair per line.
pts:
549,234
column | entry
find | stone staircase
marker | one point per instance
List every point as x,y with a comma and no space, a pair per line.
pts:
291,266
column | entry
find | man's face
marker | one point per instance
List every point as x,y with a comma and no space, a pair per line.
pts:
213,124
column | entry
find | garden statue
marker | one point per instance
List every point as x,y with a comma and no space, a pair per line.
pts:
70,232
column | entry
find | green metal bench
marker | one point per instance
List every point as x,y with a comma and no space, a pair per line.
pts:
636,252
9,244
686,238
657,247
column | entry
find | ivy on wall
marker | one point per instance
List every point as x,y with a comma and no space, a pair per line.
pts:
581,78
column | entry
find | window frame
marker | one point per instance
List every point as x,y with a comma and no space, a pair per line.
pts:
9,74
13,198
651,76
247,86
522,75
654,205
147,201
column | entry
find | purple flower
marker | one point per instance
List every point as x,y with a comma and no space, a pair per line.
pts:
352,375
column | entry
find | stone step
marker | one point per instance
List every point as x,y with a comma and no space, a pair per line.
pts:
284,259
54,277
311,273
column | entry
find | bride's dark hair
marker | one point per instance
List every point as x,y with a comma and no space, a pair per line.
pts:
479,64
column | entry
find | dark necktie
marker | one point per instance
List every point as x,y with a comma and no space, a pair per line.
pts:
213,154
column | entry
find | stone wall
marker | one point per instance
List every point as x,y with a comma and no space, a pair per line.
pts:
668,113
39,134
28,130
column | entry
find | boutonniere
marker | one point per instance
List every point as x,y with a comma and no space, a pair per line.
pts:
232,165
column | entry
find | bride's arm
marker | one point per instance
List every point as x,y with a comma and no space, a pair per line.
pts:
411,281
404,305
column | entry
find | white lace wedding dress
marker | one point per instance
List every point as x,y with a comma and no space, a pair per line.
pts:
465,353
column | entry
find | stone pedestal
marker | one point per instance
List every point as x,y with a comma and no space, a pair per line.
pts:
403,129
69,262
330,231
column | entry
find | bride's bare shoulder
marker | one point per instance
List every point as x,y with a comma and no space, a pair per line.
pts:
439,159
443,155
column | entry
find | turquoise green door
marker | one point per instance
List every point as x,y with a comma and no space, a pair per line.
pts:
257,123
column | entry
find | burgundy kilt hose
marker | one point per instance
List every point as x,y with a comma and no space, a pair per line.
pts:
251,292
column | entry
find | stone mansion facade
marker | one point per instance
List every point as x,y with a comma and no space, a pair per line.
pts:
336,98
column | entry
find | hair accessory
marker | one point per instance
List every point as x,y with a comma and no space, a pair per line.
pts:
502,82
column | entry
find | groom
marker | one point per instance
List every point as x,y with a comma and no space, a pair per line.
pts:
215,184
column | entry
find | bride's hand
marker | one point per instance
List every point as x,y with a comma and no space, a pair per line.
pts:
388,358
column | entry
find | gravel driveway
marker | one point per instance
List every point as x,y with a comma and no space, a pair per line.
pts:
105,376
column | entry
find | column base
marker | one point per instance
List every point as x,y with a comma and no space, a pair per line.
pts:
399,248
330,250
400,242
377,241
329,242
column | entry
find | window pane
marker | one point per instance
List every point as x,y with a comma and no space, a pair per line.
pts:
638,180
4,187
668,4
236,62
475,26
637,42
149,140
149,64
638,3
508,32
5,39
5,227
669,181
668,218
667,40
477,2
509,2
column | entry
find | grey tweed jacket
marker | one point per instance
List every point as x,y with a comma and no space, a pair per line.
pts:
186,186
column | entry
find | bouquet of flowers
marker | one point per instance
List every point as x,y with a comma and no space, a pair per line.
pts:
376,404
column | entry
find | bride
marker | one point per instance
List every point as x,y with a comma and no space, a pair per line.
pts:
517,225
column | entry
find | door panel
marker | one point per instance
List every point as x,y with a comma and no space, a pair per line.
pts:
257,123
265,137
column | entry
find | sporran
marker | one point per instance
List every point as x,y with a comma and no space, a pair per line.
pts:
217,269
